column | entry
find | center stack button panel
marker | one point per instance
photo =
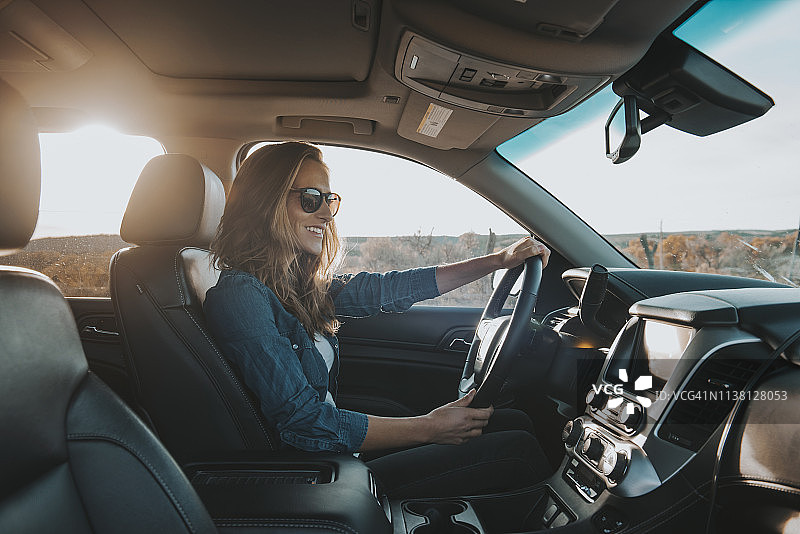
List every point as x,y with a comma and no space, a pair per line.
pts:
601,449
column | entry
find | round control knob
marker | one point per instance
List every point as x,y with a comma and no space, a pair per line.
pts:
572,432
596,399
630,415
593,449
614,464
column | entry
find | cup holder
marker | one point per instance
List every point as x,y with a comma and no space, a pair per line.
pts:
441,517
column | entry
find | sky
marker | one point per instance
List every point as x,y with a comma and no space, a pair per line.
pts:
744,178
87,178
392,203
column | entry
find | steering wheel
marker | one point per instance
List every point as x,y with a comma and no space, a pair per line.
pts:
499,338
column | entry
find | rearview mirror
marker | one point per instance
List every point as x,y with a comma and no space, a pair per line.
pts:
623,130
676,85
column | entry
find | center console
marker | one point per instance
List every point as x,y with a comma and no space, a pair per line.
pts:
291,492
643,451
664,389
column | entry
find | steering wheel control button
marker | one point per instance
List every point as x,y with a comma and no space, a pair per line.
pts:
572,433
609,520
596,399
593,449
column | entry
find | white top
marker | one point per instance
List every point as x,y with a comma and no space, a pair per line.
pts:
326,349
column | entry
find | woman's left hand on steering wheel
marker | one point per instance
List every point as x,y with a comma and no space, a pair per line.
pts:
517,252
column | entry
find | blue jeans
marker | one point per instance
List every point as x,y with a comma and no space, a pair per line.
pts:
506,457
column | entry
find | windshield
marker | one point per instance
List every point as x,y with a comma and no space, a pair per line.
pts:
727,203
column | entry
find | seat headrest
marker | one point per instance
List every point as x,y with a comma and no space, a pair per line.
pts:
20,171
177,201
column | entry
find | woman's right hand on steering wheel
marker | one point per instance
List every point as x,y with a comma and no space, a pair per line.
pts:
456,423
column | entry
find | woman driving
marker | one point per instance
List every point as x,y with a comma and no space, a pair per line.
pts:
274,315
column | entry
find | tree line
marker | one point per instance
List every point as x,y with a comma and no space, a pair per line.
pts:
770,256
79,265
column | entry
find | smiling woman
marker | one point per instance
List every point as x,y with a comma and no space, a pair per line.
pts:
87,177
398,214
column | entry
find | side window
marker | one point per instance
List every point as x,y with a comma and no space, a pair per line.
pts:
398,214
87,178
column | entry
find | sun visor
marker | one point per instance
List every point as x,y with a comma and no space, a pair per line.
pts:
274,43
572,20
31,41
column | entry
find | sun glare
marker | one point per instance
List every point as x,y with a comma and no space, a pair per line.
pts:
87,178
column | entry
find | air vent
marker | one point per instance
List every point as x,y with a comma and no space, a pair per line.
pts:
707,399
558,317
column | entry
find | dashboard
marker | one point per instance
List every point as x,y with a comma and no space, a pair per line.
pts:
627,286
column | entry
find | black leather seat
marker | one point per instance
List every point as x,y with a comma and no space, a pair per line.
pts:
73,457
181,381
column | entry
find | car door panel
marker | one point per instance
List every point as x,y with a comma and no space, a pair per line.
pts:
101,342
401,364
409,363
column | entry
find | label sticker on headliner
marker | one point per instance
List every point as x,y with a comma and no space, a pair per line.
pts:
434,120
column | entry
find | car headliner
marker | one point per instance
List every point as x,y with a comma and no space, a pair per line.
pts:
207,77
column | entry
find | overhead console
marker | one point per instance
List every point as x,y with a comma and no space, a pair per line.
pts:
485,85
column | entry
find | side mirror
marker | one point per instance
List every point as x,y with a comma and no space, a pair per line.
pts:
499,274
623,130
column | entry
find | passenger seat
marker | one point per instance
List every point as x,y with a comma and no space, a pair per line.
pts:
180,379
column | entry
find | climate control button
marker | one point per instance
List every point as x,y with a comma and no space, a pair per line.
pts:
596,399
630,415
593,449
572,433
613,464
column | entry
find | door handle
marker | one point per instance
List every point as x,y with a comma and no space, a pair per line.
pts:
460,344
95,332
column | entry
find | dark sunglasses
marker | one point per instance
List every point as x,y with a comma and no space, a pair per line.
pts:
311,199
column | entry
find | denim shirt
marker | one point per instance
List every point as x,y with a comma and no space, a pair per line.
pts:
275,356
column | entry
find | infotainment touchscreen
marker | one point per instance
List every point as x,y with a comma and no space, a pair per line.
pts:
658,350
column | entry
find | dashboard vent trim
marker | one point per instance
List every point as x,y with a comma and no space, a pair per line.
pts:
712,393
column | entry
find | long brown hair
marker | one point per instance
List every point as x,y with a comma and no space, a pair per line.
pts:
255,236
